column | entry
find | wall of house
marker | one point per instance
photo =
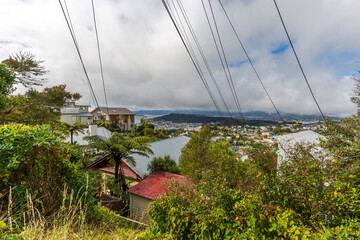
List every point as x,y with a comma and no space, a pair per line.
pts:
138,208
70,119
86,119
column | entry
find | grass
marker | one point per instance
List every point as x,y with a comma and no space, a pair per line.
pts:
73,220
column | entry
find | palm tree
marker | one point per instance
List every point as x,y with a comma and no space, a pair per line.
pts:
75,128
120,148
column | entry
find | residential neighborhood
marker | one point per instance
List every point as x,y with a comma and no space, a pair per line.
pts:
179,120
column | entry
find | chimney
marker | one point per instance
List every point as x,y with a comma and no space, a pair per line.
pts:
93,130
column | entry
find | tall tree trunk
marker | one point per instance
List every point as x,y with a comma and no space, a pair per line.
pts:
71,137
117,164
122,183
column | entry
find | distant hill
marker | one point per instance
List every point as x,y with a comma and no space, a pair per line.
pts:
194,118
259,115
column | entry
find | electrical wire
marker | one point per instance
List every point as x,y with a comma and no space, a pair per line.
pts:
251,63
99,55
221,60
79,54
192,58
298,61
202,54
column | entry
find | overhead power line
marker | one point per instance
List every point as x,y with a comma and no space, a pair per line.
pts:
251,63
192,58
298,61
68,20
202,53
99,54
228,77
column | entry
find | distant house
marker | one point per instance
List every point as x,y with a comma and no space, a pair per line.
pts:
125,122
290,140
74,111
148,190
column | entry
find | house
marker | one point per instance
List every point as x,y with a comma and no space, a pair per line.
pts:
290,140
103,165
92,130
150,189
169,146
74,111
125,122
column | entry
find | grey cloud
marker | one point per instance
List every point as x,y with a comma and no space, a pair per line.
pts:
146,65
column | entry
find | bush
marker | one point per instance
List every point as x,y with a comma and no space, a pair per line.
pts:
34,162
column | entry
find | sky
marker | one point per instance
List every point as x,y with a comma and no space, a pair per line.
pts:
146,65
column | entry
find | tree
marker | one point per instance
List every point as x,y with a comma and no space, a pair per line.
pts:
7,79
165,164
120,148
33,107
36,107
36,161
28,71
75,128
196,154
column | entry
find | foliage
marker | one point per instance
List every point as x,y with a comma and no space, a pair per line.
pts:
75,128
119,148
199,213
7,79
27,69
33,107
35,161
165,164
36,107
201,159
309,196
72,220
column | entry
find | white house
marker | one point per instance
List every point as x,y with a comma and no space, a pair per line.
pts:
288,141
76,111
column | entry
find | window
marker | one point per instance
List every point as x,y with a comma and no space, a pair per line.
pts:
89,118
73,118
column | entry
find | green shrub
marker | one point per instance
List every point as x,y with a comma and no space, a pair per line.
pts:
35,164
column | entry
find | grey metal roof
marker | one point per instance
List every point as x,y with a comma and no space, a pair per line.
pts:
170,146
102,133
300,137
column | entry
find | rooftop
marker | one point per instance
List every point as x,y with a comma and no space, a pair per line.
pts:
156,184
114,111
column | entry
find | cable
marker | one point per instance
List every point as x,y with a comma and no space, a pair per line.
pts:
99,54
202,54
192,59
251,63
226,62
79,54
72,32
221,60
298,61
253,67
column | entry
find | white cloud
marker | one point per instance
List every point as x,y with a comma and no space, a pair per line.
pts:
146,65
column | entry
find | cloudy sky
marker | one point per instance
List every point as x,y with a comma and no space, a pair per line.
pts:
147,67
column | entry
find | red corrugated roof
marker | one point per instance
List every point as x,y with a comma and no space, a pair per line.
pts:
156,184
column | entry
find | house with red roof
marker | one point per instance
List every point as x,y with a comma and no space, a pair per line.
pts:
149,189
108,171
